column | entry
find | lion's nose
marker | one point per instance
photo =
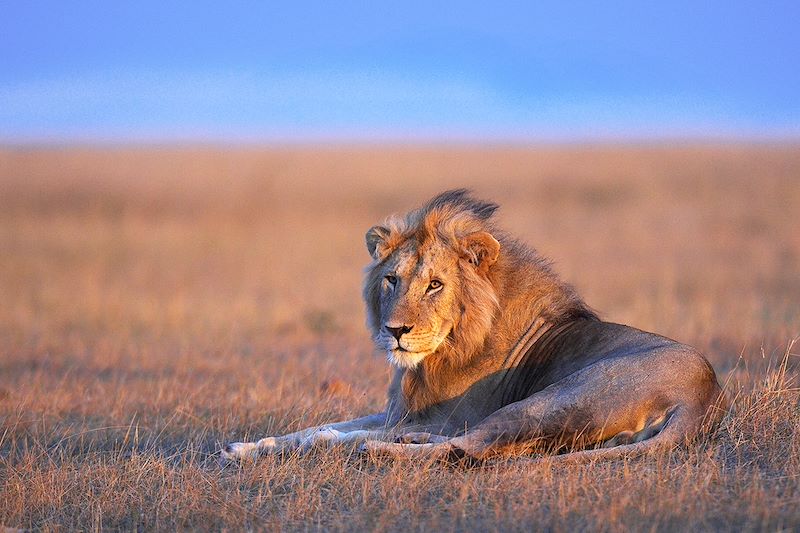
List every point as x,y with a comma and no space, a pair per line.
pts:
398,331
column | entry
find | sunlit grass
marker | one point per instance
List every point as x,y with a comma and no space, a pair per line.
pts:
156,303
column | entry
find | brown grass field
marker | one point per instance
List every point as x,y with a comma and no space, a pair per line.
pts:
156,302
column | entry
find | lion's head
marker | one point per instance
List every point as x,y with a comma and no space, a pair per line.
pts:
429,289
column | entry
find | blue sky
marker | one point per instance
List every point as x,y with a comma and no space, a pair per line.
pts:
296,71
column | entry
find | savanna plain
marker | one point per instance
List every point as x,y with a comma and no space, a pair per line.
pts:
156,302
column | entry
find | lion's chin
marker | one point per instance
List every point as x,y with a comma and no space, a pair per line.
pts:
405,359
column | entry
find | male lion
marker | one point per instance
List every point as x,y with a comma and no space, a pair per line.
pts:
494,353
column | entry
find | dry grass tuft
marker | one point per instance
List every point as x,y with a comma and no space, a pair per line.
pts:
157,302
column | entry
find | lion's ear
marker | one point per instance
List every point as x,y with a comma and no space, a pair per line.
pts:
481,249
377,241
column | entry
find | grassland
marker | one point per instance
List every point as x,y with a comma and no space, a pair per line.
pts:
155,302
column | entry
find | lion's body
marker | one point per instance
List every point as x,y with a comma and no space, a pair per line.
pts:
494,352
584,344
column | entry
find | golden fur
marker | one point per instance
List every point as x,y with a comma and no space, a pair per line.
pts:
453,238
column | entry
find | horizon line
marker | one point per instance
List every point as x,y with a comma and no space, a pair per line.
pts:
57,142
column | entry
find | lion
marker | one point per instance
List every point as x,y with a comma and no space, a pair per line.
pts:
495,354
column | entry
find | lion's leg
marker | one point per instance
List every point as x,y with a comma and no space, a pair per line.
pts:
350,432
637,398
483,442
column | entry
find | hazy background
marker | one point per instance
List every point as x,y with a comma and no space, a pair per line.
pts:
311,71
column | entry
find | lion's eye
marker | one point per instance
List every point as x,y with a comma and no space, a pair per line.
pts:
434,285
391,279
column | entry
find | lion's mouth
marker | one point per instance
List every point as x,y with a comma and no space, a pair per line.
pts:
405,352
395,347
396,350
403,355
404,358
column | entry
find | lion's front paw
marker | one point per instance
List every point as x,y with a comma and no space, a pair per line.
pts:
238,452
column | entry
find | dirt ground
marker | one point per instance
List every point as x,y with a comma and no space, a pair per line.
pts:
158,301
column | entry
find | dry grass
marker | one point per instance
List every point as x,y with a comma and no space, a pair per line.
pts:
156,302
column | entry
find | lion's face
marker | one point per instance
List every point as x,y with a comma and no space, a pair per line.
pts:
428,289
417,302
